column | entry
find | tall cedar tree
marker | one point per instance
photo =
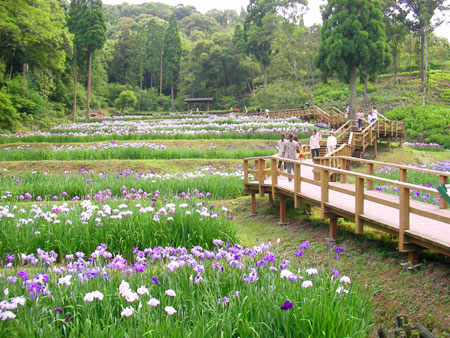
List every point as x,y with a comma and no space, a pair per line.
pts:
73,22
353,42
125,61
258,28
172,55
422,12
155,30
91,34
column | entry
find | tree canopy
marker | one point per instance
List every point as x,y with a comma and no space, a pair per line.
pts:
353,41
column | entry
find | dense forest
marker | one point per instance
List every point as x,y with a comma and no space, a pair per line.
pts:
150,57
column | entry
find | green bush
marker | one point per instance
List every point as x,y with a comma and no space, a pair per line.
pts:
432,121
279,95
9,114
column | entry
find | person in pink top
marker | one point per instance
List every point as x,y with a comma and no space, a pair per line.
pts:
314,143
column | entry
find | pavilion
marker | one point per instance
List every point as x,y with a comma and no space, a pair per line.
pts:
206,100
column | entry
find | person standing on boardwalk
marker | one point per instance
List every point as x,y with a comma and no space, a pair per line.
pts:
314,143
281,143
331,142
290,152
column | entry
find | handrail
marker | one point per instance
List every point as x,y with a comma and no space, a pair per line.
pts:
343,127
334,152
400,184
260,175
399,166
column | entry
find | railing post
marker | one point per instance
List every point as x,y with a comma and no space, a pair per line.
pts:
253,204
324,179
404,218
343,166
369,167
297,183
274,169
245,171
282,209
359,205
262,176
442,201
403,174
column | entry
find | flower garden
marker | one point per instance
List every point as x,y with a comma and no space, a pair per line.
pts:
102,253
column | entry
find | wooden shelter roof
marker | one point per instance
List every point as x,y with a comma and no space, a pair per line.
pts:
199,99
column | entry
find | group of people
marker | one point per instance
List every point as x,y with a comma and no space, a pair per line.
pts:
371,117
292,149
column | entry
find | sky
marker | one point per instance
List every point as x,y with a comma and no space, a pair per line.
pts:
311,17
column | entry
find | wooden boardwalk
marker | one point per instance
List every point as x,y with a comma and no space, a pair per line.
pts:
416,224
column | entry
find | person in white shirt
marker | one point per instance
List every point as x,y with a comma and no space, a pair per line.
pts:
281,143
374,116
374,113
360,116
331,142
314,143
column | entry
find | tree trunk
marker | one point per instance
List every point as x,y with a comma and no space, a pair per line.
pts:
126,78
160,73
88,85
75,83
265,75
394,56
422,63
352,103
171,92
425,70
299,76
366,96
151,91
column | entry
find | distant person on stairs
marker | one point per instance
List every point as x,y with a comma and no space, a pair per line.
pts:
314,143
331,142
360,117
290,152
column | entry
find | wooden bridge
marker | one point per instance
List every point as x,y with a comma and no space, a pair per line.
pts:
339,192
346,131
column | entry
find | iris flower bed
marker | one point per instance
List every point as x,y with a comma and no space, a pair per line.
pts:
180,292
426,180
135,150
214,127
186,219
425,146
40,186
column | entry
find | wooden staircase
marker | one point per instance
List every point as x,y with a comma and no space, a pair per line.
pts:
358,140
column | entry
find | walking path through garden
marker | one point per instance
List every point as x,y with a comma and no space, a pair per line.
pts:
416,223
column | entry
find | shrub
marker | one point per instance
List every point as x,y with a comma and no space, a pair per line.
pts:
431,121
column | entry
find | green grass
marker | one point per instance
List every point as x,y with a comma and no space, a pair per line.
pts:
151,221
132,153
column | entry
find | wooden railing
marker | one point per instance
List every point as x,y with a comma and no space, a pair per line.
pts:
332,116
266,168
403,171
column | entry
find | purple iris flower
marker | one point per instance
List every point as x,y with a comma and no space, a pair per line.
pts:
304,245
156,281
335,273
286,306
58,310
340,249
270,257
299,253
